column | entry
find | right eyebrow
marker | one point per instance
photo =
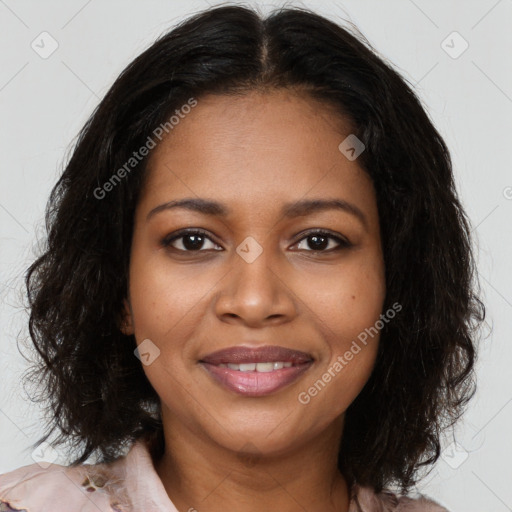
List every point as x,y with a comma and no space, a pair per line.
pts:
204,206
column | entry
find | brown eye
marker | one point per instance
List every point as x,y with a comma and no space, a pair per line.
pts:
190,241
321,241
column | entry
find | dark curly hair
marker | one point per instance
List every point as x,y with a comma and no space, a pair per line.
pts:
95,389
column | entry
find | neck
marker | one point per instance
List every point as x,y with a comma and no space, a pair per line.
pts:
198,473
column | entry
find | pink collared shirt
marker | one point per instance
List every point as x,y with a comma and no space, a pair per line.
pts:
131,484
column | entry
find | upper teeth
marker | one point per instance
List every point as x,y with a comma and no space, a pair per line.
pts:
259,367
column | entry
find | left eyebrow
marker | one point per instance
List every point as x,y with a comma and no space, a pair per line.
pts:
289,210
308,206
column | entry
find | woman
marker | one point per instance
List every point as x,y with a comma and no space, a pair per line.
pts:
258,289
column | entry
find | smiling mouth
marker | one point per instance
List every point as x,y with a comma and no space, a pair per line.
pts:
258,367
256,372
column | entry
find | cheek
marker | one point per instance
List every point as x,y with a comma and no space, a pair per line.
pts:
340,382
348,306
348,300
355,321
164,296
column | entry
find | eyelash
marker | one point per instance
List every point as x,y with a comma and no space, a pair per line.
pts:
343,243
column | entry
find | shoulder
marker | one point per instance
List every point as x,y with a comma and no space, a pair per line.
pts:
129,483
366,500
59,488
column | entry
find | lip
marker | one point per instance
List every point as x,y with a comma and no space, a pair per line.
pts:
267,353
254,383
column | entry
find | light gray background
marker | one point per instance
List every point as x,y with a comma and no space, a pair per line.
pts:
44,102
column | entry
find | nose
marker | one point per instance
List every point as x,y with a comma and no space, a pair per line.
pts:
256,293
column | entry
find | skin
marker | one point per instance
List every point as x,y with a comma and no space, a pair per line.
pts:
254,153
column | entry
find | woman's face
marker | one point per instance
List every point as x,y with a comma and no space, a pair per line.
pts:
260,274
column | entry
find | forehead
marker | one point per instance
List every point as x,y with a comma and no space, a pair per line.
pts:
270,147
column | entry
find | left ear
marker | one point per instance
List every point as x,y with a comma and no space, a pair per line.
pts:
126,319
